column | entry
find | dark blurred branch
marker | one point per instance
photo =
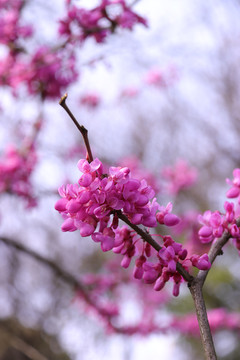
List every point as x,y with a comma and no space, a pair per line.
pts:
63,274
26,349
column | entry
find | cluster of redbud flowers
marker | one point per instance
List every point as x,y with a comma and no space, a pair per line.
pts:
94,205
45,71
99,21
16,167
216,223
10,28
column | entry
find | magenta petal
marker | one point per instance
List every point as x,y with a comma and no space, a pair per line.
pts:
150,276
73,206
85,180
205,231
95,164
176,288
107,243
171,220
172,266
138,272
61,205
149,221
84,197
204,263
96,236
86,229
68,225
136,219
142,200
125,261
233,192
83,165
159,284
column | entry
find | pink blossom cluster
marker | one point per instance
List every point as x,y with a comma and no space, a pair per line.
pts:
214,224
91,100
155,77
16,167
179,176
92,207
219,318
47,73
106,298
113,282
97,285
130,92
10,29
98,22
96,197
161,78
165,268
7,75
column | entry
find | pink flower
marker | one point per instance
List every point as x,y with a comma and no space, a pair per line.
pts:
130,92
234,191
138,269
206,234
213,226
16,167
201,262
90,100
165,217
179,176
47,73
155,77
98,22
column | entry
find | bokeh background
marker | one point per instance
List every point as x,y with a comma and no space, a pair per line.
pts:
162,93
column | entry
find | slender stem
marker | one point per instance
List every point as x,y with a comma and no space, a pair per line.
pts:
81,128
215,250
205,331
147,237
196,291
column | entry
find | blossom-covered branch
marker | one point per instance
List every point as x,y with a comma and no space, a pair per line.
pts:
95,204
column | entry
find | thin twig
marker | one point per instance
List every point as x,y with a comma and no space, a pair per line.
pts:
215,250
81,128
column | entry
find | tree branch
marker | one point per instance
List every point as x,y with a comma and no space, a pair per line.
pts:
63,274
196,291
205,331
81,128
215,250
